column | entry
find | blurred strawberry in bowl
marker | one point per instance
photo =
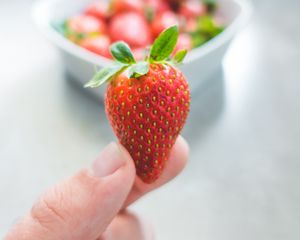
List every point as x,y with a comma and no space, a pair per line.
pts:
130,27
184,42
163,21
81,25
139,22
192,9
99,45
99,9
139,53
118,6
190,25
200,28
86,24
156,7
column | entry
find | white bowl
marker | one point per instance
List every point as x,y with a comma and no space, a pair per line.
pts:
199,65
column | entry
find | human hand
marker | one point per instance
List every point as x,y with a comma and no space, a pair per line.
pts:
91,204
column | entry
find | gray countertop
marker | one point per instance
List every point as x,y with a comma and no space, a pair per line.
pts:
242,180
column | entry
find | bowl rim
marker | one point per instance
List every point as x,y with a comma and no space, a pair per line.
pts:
40,8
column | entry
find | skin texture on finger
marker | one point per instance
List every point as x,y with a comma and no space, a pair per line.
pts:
82,206
128,226
177,161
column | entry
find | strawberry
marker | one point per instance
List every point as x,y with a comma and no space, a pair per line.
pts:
99,9
157,6
86,24
184,42
80,27
191,25
192,9
147,103
163,21
175,4
130,27
139,53
119,6
99,45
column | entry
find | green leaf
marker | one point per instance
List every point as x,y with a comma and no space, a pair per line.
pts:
138,69
122,53
164,45
179,56
105,74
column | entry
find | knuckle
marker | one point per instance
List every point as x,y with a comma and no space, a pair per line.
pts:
47,211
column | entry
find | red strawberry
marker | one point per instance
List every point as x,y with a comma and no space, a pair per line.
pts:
98,9
118,6
158,6
175,4
131,28
147,115
184,42
99,45
80,27
163,21
139,53
192,9
176,1
86,24
191,25
147,103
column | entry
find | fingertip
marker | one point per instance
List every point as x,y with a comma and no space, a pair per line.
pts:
112,158
180,152
124,176
127,156
176,163
114,167
184,144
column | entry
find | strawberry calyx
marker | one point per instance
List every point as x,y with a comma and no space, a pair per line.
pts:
160,53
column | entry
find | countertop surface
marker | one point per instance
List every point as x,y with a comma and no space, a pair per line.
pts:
243,176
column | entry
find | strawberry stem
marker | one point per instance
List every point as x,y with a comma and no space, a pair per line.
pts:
160,52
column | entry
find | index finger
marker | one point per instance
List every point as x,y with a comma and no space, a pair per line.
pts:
174,166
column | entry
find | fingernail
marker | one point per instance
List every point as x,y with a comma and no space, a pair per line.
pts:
109,161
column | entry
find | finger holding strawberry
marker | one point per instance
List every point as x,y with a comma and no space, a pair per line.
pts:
147,102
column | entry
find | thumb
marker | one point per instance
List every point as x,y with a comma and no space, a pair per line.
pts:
84,205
